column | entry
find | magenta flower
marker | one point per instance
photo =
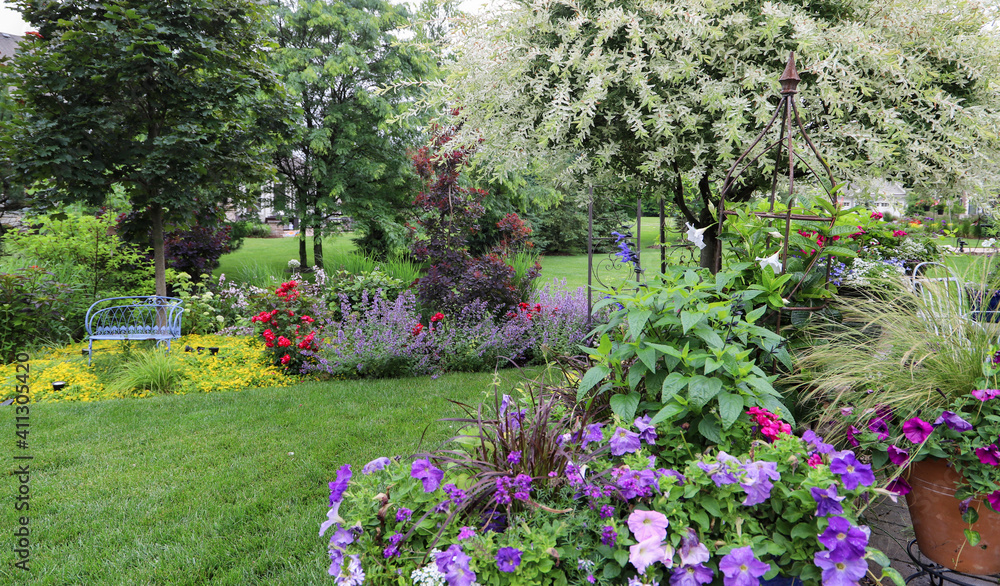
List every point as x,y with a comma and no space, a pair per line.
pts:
880,427
648,524
646,553
852,473
740,567
986,394
508,559
844,540
840,572
989,455
623,442
916,430
851,432
898,456
427,473
953,421
994,500
827,501
465,533
899,486
691,575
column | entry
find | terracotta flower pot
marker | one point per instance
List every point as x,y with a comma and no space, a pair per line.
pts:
938,523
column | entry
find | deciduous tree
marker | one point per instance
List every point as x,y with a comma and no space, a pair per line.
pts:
667,93
170,100
333,57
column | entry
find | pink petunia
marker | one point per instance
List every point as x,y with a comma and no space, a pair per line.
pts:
648,524
917,430
986,394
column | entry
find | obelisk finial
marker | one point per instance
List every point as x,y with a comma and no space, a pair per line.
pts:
790,77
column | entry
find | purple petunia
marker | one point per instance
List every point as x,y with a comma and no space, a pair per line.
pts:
427,473
593,434
693,575
375,465
917,430
403,515
454,564
845,541
623,442
851,432
757,479
954,421
840,572
647,432
508,559
899,486
898,456
740,567
827,501
811,437
339,486
852,473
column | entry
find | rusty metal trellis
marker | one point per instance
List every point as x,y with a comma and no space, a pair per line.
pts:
790,120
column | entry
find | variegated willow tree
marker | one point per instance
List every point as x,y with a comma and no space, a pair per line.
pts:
665,94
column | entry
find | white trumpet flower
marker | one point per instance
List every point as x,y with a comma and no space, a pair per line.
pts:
696,235
771,261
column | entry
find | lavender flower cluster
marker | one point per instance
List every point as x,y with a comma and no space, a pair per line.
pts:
378,337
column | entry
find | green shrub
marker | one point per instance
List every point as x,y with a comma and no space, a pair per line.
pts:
115,268
33,309
689,351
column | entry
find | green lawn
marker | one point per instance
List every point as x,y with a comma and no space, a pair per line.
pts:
226,488
273,254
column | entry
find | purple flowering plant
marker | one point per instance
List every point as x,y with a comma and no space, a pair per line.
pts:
569,510
964,429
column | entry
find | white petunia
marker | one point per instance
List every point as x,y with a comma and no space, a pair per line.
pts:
770,261
696,235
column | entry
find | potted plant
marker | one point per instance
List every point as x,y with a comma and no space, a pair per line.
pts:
915,387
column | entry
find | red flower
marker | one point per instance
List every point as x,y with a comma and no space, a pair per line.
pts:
307,319
269,344
284,342
898,233
268,335
437,317
417,329
286,359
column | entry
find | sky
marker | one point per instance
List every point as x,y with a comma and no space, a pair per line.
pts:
10,20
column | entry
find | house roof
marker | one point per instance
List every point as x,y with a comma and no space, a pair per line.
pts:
8,45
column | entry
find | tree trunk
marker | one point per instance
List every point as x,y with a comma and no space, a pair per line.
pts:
317,246
159,258
711,237
303,256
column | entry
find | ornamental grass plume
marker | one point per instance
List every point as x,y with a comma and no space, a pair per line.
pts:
902,352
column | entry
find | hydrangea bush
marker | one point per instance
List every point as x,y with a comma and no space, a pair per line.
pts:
604,509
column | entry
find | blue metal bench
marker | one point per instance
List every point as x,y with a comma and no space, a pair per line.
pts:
134,318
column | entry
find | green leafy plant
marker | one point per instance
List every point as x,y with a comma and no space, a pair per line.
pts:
687,349
33,309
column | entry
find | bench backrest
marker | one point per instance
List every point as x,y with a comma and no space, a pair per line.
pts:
135,315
